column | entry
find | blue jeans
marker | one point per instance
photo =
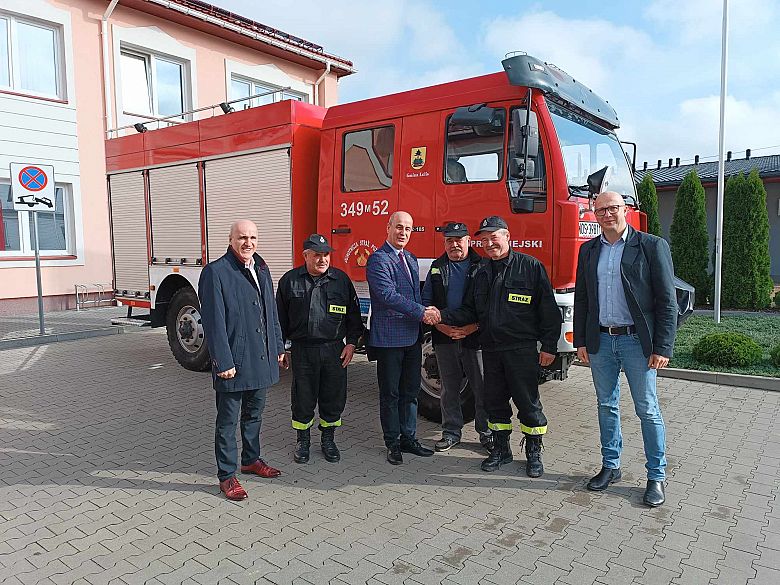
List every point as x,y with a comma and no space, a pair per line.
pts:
625,351
398,372
249,406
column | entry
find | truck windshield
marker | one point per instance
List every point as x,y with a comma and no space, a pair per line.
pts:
588,147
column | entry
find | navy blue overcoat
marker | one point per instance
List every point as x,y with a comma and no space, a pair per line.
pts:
233,313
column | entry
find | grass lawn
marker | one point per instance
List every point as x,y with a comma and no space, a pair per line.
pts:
765,330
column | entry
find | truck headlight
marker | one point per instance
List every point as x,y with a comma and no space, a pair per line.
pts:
567,312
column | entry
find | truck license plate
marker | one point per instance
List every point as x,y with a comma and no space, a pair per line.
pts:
589,229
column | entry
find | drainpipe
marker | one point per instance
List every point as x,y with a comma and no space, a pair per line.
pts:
317,84
109,120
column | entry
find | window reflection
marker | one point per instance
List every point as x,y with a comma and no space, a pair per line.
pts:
241,87
136,97
368,159
5,71
170,94
11,239
51,226
37,58
475,154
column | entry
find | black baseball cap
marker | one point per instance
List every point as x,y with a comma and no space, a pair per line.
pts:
491,224
317,243
455,230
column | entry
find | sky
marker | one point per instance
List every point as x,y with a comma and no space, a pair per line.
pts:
656,61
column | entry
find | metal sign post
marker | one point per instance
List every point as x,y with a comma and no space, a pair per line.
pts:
33,191
41,327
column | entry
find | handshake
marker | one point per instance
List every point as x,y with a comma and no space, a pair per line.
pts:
432,316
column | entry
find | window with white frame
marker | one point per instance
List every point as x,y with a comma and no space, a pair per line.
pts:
243,87
30,57
153,85
55,229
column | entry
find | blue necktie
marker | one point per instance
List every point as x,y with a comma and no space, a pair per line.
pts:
406,266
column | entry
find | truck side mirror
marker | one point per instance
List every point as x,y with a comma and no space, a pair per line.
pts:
474,116
525,134
599,181
521,204
518,169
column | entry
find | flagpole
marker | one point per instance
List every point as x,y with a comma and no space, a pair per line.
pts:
721,164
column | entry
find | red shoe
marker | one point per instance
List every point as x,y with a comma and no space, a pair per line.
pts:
233,490
260,468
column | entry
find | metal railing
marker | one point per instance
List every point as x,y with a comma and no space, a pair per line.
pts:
174,119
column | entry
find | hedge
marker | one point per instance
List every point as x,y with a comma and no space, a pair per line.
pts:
728,349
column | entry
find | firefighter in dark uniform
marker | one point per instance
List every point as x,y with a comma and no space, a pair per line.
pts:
318,309
511,297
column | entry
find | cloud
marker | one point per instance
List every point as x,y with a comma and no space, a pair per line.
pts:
697,20
693,128
395,45
591,50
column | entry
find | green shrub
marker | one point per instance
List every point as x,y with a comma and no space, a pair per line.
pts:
777,299
746,275
727,349
689,238
648,202
774,354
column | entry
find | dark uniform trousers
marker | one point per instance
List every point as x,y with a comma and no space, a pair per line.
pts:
318,378
513,374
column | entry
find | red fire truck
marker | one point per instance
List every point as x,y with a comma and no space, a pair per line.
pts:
530,144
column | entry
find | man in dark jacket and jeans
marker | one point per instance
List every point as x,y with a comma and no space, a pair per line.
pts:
245,342
625,317
456,348
512,299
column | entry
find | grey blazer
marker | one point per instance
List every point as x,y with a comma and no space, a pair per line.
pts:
647,274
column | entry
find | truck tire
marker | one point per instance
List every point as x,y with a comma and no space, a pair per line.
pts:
428,401
185,331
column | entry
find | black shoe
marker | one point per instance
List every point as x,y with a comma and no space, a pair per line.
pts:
415,448
446,443
394,456
654,493
533,456
601,481
501,453
301,454
329,448
486,440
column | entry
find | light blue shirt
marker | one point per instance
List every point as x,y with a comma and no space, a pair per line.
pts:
613,308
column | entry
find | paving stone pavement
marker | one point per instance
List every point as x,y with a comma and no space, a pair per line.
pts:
107,476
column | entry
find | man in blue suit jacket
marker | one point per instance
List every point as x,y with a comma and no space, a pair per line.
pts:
394,337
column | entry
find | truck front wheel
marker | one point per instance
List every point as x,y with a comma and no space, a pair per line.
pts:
429,399
185,331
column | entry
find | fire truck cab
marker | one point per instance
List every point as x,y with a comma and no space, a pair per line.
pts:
464,150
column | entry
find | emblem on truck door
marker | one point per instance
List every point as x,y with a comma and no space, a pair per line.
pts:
359,252
418,157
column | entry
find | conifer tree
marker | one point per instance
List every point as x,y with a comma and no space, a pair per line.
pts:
648,202
689,236
746,281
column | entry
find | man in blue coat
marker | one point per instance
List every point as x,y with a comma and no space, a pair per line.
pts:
245,342
395,334
625,317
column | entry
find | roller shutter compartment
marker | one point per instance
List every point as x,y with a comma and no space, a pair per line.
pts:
128,234
174,206
255,187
